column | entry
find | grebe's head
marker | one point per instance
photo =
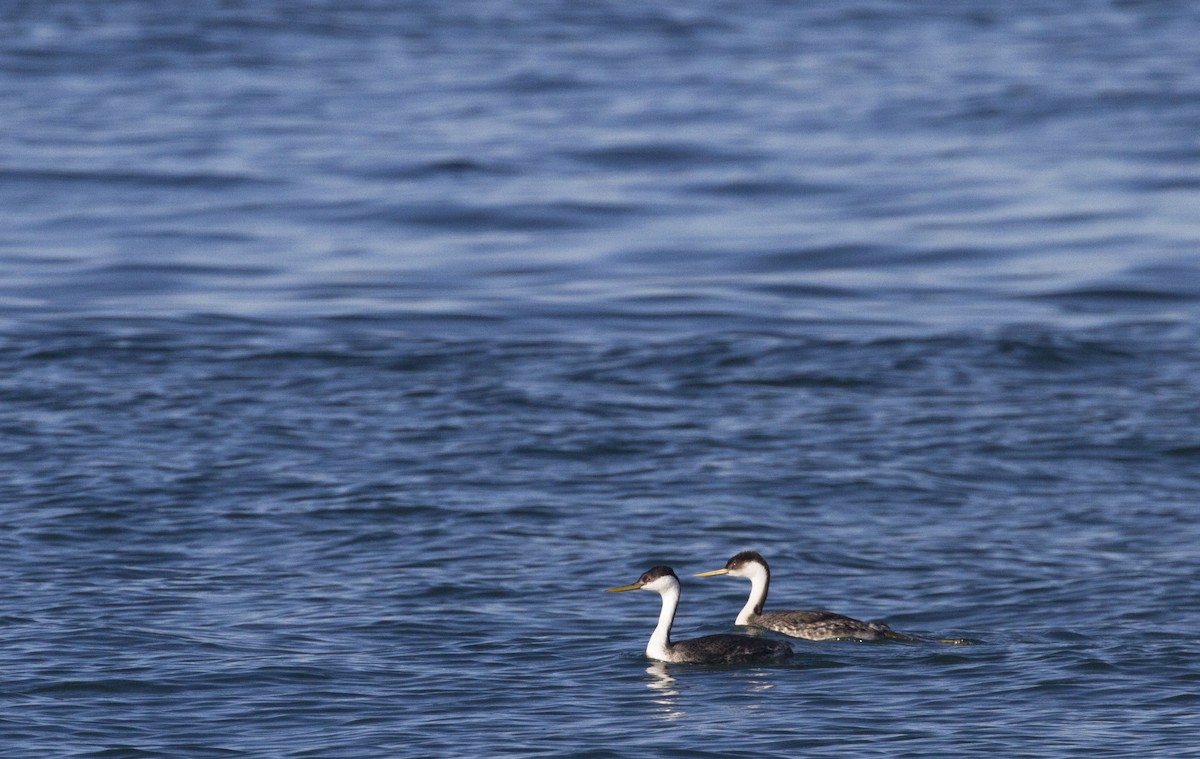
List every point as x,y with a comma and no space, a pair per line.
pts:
744,564
657,579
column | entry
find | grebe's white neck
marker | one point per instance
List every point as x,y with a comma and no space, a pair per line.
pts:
760,580
659,646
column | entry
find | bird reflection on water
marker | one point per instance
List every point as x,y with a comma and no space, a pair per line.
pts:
662,685
665,690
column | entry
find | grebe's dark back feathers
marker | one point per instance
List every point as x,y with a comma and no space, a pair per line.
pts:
728,648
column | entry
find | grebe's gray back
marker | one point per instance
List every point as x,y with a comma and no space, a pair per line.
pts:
810,625
711,649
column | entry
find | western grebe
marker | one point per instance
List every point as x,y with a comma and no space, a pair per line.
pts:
810,625
711,649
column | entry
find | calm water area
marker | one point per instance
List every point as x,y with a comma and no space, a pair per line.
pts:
349,350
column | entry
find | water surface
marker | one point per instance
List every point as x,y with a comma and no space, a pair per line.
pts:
348,351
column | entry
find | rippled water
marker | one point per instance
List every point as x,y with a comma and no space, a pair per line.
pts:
349,350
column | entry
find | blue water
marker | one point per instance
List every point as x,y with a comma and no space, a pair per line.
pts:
349,350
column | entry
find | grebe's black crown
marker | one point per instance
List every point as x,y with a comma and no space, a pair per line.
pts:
654,573
746,557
